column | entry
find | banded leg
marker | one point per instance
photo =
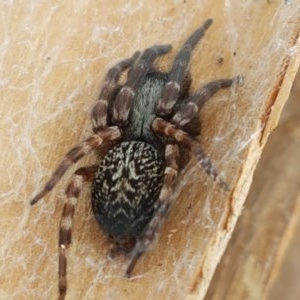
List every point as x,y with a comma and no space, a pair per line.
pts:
161,208
140,68
99,112
163,127
178,72
191,109
65,230
107,134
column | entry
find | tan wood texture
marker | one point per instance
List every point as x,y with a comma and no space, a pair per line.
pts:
53,58
259,262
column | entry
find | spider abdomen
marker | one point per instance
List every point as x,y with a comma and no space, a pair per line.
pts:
125,189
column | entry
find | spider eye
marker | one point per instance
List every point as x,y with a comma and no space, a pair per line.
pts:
126,187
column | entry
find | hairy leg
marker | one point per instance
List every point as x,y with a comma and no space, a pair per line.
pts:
178,72
65,230
162,127
161,207
138,71
191,109
99,112
107,134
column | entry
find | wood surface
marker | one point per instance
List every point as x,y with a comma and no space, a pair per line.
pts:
53,58
262,258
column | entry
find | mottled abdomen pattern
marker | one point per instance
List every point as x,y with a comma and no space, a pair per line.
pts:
125,189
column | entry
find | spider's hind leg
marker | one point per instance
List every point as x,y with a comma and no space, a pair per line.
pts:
161,207
65,229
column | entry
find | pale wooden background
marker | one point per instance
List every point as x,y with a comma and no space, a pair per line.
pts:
268,230
286,285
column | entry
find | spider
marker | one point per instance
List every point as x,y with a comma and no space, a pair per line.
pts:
147,123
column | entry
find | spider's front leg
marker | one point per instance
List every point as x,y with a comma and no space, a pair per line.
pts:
124,99
171,91
161,207
110,85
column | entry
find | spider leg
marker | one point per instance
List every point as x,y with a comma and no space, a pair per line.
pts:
165,128
65,230
178,72
99,112
123,102
107,134
161,207
186,85
191,109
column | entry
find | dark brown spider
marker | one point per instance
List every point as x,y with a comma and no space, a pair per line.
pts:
149,120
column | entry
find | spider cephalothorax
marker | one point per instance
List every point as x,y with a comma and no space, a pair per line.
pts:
147,121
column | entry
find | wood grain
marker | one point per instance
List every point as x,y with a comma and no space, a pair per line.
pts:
53,58
253,259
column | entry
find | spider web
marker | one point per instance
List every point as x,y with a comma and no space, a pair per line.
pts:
52,59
